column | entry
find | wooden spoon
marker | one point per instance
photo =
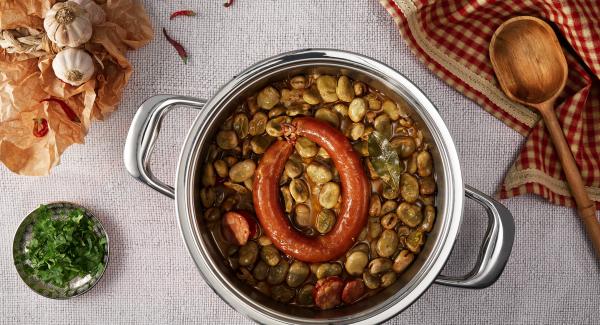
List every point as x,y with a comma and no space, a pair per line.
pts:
532,70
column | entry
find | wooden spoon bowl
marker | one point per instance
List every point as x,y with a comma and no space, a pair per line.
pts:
528,60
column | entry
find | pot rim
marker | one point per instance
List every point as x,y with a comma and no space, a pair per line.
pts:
453,203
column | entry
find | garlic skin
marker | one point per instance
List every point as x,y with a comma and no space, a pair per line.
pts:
68,24
73,66
95,13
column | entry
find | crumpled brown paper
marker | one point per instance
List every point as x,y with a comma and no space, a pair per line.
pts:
25,81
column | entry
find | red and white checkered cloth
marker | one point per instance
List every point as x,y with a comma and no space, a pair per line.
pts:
452,38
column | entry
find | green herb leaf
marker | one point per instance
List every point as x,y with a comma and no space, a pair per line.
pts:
64,247
385,160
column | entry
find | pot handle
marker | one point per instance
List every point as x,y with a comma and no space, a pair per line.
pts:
496,247
142,136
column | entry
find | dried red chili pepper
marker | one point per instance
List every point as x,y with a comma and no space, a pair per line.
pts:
178,47
66,108
228,3
182,13
40,127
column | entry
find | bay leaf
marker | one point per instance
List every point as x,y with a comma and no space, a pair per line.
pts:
385,160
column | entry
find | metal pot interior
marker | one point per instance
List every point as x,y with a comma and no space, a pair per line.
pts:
411,283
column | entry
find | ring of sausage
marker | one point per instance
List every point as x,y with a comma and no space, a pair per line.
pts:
352,215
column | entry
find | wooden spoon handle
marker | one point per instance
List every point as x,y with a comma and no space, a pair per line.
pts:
586,208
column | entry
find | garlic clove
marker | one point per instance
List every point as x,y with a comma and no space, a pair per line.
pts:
95,13
73,66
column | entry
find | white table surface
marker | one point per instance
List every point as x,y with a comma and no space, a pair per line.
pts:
552,276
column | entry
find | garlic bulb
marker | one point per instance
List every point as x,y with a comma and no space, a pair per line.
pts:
73,66
95,13
67,24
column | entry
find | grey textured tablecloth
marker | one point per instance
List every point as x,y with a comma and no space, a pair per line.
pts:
552,276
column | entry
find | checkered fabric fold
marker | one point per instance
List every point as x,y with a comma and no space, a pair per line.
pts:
452,38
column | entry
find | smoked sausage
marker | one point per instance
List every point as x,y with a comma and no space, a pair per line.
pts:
238,226
356,189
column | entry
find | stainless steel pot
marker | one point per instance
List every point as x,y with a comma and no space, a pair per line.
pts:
425,270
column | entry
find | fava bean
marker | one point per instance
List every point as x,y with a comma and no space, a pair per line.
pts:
374,228
276,111
299,190
356,262
212,214
209,178
389,221
264,288
328,116
305,295
248,254
298,82
261,270
227,140
414,241
424,163
409,188
264,241
375,206
302,215
306,148
388,206
402,261
325,221
344,89
207,196
257,124
383,125
410,214
329,195
326,86
380,265
388,279
241,125
242,171
319,173
268,98
282,293
371,281
390,193
328,269
274,127
357,109
387,243
291,97
221,168
278,273
357,130
429,219
391,109
311,96
359,88
270,255
341,109
297,274
404,145
293,168
288,202
374,103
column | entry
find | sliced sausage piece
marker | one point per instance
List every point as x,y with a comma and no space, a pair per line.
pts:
356,192
238,226
327,293
353,290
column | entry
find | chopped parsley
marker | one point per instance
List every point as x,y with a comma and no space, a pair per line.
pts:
64,247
